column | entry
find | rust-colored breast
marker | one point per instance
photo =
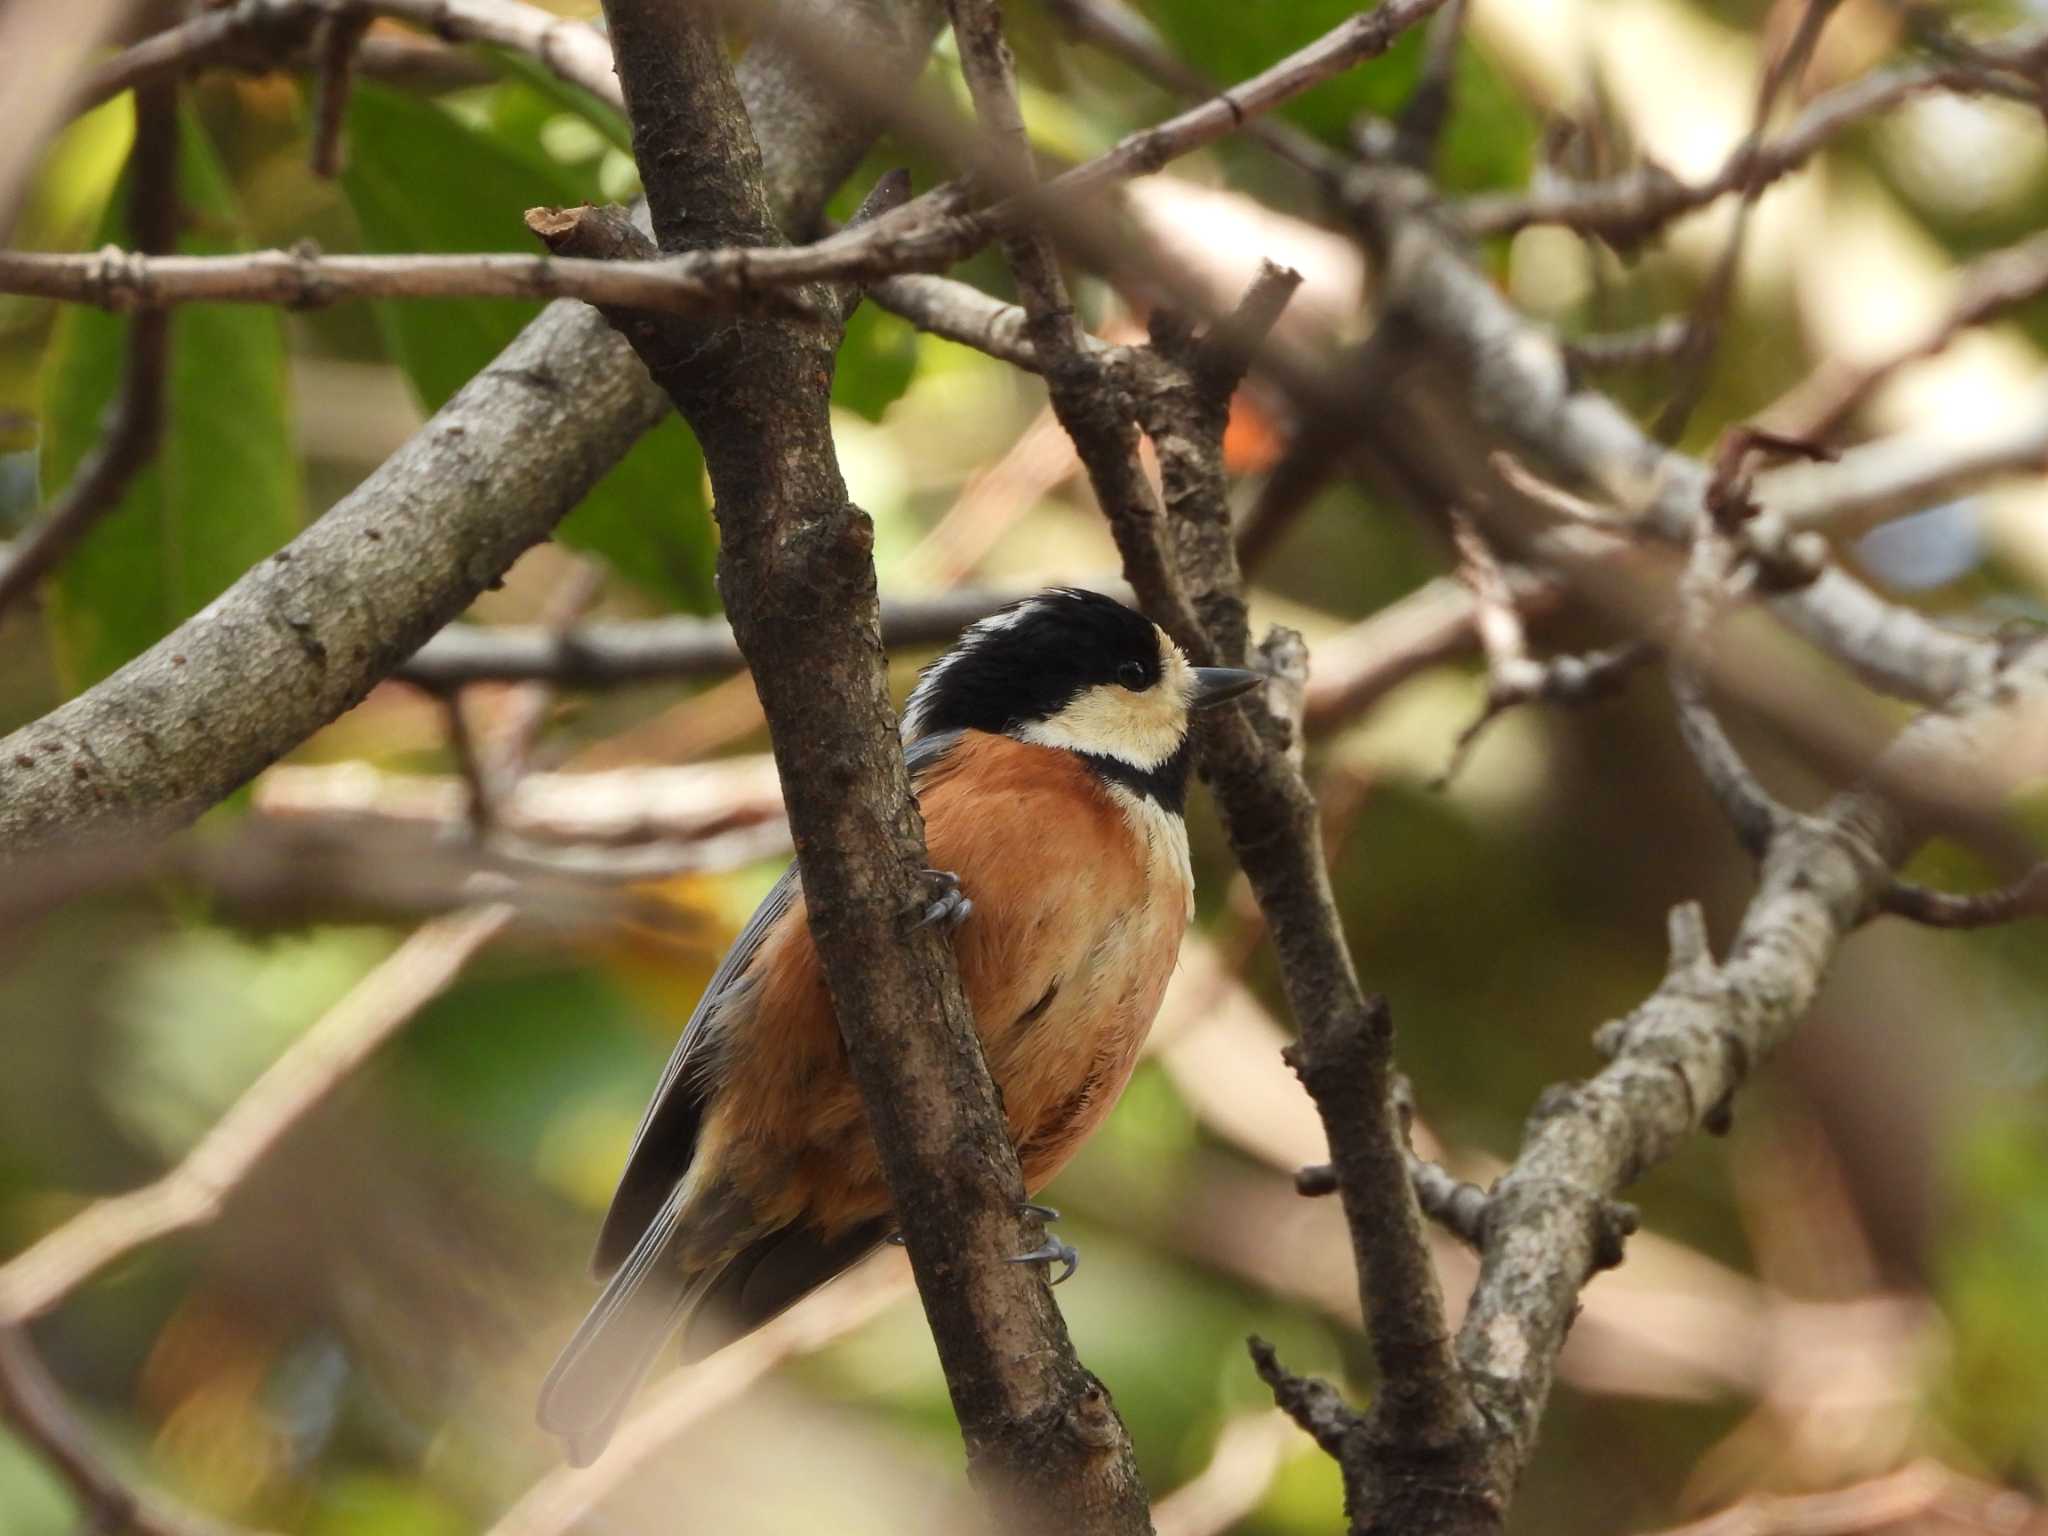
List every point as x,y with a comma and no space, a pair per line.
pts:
1077,922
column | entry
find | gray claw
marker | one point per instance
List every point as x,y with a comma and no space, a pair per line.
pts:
951,907
1052,1251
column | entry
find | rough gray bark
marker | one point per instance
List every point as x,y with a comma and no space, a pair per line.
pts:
797,573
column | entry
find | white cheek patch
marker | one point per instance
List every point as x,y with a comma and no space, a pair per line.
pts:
1108,720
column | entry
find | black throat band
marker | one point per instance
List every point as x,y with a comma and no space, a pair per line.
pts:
1165,785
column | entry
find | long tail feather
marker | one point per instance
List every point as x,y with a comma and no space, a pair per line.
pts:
646,1300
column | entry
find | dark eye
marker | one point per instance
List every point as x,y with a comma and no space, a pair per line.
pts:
1132,675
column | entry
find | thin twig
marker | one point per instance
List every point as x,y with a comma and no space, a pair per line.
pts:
269,30
335,40
135,420
305,278
2025,897
298,1083
613,654
1628,208
1421,122
1708,585
1513,677
33,1404
1987,288
1703,327
562,1501
1123,33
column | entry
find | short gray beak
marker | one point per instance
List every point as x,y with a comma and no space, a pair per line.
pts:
1219,685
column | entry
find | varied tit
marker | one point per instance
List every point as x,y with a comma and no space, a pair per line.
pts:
1049,753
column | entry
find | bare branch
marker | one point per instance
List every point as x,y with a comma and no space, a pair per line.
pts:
933,231
1314,1405
1677,1058
1896,476
610,655
1513,677
265,31
2025,897
304,278
1435,623
1511,377
298,1083
1123,33
32,1402
336,37
797,574
411,546
1629,208
1987,288
1708,584
135,419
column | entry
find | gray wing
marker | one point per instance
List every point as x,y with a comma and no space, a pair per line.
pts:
667,1138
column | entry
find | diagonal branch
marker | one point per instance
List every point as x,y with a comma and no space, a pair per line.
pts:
299,1081
406,551
1678,1057
1629,208
297,1084
31,1401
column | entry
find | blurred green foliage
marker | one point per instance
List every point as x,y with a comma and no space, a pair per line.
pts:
352,1349
222,493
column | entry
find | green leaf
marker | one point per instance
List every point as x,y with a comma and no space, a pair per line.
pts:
224,489
876,362
420,179
1486,139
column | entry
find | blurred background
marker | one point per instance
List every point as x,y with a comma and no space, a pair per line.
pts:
1846,1290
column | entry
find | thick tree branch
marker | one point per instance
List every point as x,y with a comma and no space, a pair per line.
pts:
1509,381
798,578
1679,1056
1401,1457
410,547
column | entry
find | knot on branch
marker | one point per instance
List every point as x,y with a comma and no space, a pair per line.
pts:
117,280
1311,1402
1091,1420
1784,559
1608,1223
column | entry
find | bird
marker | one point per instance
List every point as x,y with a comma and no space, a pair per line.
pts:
1049,750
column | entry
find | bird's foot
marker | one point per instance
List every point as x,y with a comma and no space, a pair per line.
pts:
949,906
1052,1250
